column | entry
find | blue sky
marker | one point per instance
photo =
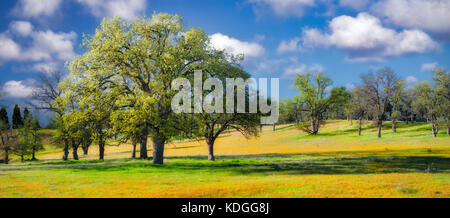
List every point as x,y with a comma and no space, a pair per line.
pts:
279,38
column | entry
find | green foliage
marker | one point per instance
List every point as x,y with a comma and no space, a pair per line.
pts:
340,101
130,67
313,95
4,119
29,138
442,81
26,114
17,120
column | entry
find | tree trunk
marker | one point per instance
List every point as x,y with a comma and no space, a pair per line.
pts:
210,143
133,152
274,127
434,128
394,126
360,126
313,127
66,150
75,152
448,130
158,149
85,150
143,149
6,158
33,153
21,158
379,126
101,150
260,128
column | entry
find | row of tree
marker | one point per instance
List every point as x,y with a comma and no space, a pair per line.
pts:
120,90
381,96
23,137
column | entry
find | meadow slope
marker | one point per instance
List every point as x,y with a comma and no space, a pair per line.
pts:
284,163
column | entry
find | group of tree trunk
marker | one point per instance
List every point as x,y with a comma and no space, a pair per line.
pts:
23,138
121,90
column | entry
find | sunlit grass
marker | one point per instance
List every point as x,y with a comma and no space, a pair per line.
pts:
284,163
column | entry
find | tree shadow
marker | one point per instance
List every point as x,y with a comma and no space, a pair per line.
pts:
275,164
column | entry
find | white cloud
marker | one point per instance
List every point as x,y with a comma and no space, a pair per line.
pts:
18,89
9,49
410,80
22,28
48,45
365,39
283,8
428,15
235,46
428,67
46,67
269,66
36,8
126,9
355,4
298,68
290,46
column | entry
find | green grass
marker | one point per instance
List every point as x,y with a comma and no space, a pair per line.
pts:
420,167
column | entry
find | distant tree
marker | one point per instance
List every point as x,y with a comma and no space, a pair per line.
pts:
290,111
396,100
26,114
379,88
8,139
428,101
17,120
358,105
313,95
23,145
407,104
4,118
340,102
32,125
442,81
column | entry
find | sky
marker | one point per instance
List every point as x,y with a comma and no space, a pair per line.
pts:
279,38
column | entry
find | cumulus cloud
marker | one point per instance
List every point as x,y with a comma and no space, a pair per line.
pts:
46,67
36,8
428,67
48,45
283,8
428,15
364,38
126,9
9,50
22,28
18,89
410,80
300,68
235,46
292,45
48,48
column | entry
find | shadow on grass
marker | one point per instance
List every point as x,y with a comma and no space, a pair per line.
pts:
273,164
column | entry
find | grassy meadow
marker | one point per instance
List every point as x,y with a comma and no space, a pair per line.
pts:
284,163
